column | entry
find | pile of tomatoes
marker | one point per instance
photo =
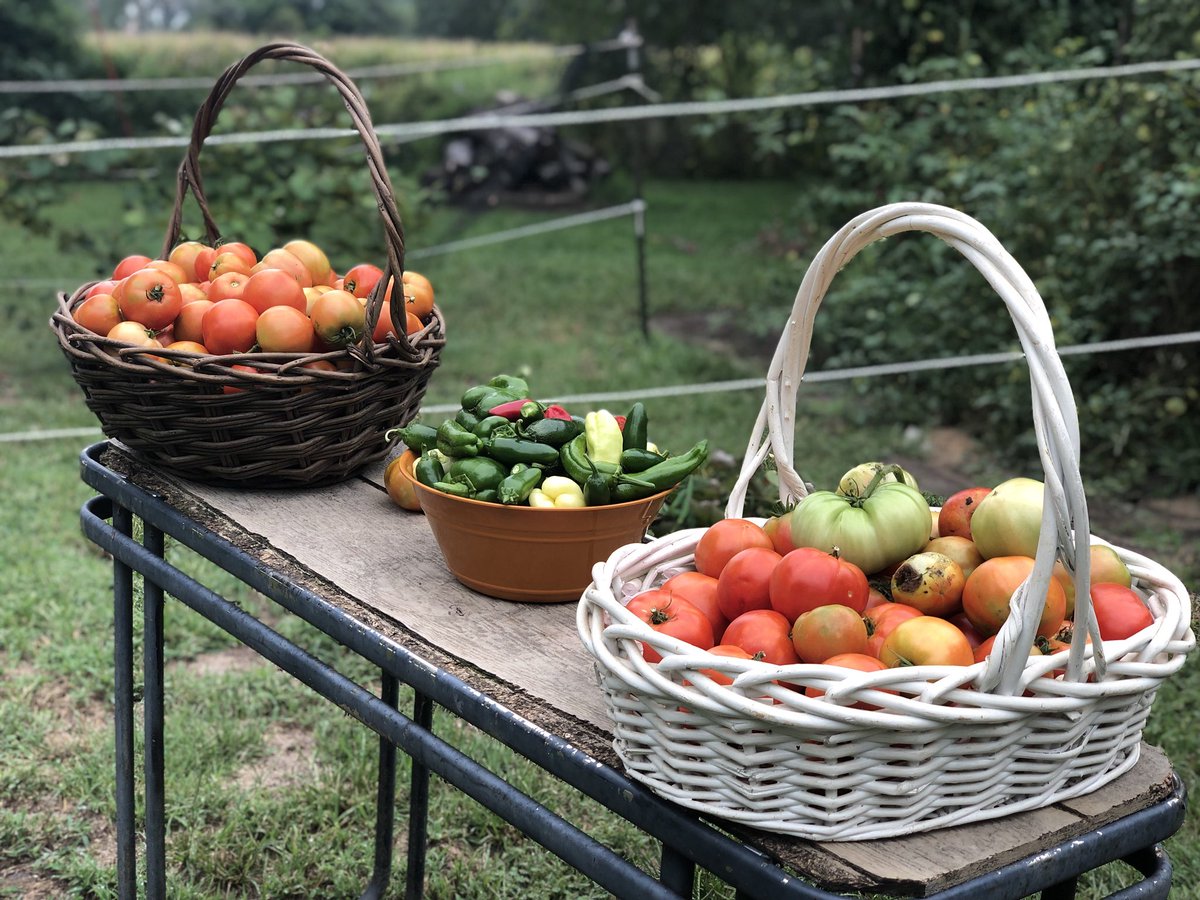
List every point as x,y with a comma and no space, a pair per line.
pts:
227,300
756,594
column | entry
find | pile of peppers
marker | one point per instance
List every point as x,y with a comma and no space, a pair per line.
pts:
503,446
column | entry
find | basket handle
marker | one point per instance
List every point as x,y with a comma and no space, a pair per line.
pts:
1056,424
189,178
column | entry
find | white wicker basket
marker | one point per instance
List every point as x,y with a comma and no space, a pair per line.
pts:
909,749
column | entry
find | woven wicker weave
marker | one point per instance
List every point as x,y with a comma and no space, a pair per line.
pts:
284,424
908,749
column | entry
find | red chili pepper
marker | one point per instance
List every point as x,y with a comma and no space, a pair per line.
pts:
620,421
510,410
554,411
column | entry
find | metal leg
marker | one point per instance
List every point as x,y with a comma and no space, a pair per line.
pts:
385,800
676,871
152,711
123,712
418,807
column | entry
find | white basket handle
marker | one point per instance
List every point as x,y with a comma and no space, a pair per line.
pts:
1055,421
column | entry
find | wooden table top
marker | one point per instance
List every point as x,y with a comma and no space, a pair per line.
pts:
351,545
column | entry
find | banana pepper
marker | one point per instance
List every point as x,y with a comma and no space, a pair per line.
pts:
557,492
604,438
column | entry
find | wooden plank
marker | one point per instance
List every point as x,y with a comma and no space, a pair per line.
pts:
352,535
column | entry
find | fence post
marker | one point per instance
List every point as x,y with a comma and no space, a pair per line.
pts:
633,64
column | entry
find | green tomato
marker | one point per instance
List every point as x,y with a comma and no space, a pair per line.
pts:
873,531
857,479
1008,520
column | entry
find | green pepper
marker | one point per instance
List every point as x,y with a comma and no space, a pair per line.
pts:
554,432
633,435
514,450
578,465
518,484
478,473
495,397
604,440
416,437
597,488
635,460
512,384
531,411
466,419
489,495
454,440
472,395
494,426
453,488
665,474
428,470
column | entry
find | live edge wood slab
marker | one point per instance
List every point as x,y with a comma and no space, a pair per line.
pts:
351,545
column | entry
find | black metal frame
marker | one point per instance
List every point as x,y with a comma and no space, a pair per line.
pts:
687,840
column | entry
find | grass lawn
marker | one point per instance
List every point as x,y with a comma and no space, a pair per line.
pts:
270,794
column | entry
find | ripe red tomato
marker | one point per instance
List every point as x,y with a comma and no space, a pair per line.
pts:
245,251
723,539
882,620
779,530
807,578
954,519
230,389
988,593
284,329
700,591
274,287
765,632
101,287
151,298
203,262
827,631
128,266
339,318
673,616
171,270
730,650
229,327
745,581
190,319
1120,612
926,641
99,313
231,285
860,662
361,279
184,255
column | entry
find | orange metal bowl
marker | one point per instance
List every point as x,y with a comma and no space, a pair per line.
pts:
526,554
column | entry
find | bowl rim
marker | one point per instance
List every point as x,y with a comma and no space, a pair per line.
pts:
408,460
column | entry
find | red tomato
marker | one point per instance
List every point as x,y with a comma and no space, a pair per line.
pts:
807,578
99,313
779,530
860,662
284,329
827,631
203,262
128,266
360,279
231,285
882,620
339,318
729,650
274,287
226,261
151,298
1120,612
229,389
954,518
989,591
745,581
418,294
964,625
190,319
287,262
171,270
926,641
229,327
700,591
765,632
184,255
101,287
673,616
245,251
723,539
412,323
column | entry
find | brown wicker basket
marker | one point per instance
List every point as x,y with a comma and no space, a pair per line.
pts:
282,424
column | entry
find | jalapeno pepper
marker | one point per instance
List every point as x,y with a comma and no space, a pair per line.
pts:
633,434
416,437
428,470
635,460
478,473
554,432
665,474
454,440
518,484
578,465
515,450
492,427
466,419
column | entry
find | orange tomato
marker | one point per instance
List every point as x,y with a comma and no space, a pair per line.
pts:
150,297
284,329
99,313
274,287
282,259
225,262
860,662
926,641
418,294
339,318
827,631
133,333
400,487
313,257
723,539
227,286
188,322
184,255
230,326
128,266
173,270
988,594
882,620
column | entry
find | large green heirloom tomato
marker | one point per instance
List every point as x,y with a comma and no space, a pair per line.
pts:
856,480
1008,520
883,525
